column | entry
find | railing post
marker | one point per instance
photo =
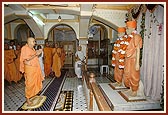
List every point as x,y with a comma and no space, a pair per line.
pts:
91,101
91,79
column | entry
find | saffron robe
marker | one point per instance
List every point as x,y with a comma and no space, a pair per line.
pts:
56,65
131,75
118,73
116,54
47,60
9,66
32,72
17,63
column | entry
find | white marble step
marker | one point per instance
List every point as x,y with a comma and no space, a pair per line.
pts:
120,104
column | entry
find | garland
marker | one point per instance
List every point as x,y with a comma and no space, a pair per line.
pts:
115,50
142,26
120,47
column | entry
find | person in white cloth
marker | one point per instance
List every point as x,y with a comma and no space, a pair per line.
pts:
40,57
79,58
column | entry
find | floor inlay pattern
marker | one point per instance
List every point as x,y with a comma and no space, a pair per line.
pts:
75,85
65,101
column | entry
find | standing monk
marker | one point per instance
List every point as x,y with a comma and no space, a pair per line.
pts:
17,62
30,66
132,56
56,65
47,58
9,65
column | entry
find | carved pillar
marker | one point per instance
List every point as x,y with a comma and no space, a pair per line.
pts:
83,42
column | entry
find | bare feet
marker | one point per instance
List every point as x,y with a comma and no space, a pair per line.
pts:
118,84
134,93
29,103
128,91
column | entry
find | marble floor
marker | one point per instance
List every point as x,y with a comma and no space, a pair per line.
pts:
79,101
13,96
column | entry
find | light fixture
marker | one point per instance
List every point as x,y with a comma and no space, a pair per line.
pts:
59,18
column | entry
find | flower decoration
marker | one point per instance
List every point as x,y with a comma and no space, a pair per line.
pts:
120,47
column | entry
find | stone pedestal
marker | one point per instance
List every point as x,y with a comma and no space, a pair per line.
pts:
127,96
115,86
119,103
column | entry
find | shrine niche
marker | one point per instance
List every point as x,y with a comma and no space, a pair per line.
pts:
97,45
93,49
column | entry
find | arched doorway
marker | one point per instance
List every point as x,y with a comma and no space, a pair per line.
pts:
65,36
22,32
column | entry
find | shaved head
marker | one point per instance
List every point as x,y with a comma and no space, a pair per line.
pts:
79,47
30,39
31,42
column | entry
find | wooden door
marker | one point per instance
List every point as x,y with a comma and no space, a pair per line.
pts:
69,48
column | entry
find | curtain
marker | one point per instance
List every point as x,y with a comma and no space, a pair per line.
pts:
153,53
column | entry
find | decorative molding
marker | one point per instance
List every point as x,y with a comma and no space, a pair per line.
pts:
63,20
83,40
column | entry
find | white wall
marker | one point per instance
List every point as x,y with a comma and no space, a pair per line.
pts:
48,26
117,17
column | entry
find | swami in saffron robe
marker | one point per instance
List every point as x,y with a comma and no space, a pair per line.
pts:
9,66
56,65
17,63
47,60
32,72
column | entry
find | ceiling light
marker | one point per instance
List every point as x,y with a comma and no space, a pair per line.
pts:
59,18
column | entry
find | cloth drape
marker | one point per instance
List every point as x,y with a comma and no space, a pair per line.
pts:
153,54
